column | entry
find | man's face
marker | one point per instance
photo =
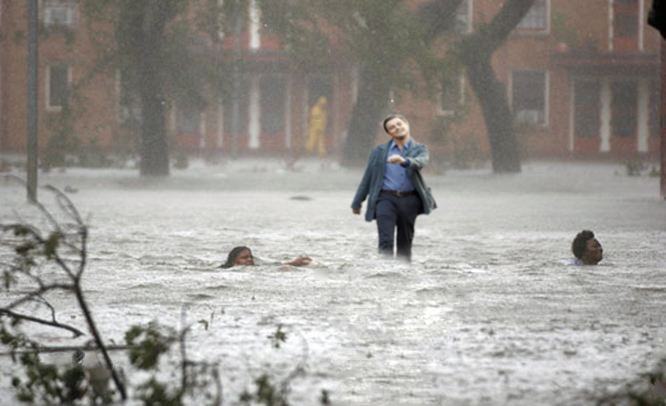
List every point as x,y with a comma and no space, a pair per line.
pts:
397,128
244,258
593,252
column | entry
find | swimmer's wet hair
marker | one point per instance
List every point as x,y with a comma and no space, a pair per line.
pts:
579,244
233,254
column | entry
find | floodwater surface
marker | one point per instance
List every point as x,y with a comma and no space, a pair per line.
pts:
487,313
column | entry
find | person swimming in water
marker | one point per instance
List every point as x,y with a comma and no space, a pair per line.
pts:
242,256
586,248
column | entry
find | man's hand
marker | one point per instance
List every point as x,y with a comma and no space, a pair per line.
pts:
356,211
395,159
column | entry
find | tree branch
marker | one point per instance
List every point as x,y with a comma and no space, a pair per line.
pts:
37,320
486,40
39,292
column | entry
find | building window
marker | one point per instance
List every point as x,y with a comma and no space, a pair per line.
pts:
624,108
528,96
463,24
57,86
188,120
587,107
452,95
60,13
273,93
536,18
625,25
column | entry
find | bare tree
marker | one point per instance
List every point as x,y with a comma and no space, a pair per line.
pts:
47,259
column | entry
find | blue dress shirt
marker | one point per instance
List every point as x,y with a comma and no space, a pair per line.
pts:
395,175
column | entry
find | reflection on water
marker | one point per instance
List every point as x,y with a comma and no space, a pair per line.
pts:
487,313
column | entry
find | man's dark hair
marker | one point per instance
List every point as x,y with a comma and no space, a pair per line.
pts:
391,117
233,254
579,244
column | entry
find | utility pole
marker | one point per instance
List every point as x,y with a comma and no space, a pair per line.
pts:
657,19
235,92
663,119
33,45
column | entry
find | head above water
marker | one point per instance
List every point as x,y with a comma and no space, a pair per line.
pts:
587,248
396,126
239,256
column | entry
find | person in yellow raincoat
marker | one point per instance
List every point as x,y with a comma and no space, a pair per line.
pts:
317,128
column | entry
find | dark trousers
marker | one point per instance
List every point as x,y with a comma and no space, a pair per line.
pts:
397,212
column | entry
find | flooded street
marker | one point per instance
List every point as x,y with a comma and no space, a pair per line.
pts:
488,312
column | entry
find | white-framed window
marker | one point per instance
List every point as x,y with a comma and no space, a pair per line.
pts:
624,108
59,13
463,23
255,25
537,18
452,95
58,79
626,25
587,108
529,96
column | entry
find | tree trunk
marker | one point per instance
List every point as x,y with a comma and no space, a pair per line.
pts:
373,94
154,149
497,116
141,39
476,52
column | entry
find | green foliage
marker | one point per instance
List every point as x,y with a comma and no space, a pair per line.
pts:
49,384
147,344
266,393
278,337
155,393
380,35
51,244
325,398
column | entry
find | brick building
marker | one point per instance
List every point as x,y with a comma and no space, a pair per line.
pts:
582,79
274,94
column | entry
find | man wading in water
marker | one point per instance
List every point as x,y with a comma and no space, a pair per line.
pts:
395,188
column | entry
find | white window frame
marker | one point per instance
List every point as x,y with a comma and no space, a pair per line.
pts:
49,6
546,95
641,25
47,89
461,97
254,25
534,31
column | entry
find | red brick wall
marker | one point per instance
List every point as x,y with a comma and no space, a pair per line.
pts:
95,104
